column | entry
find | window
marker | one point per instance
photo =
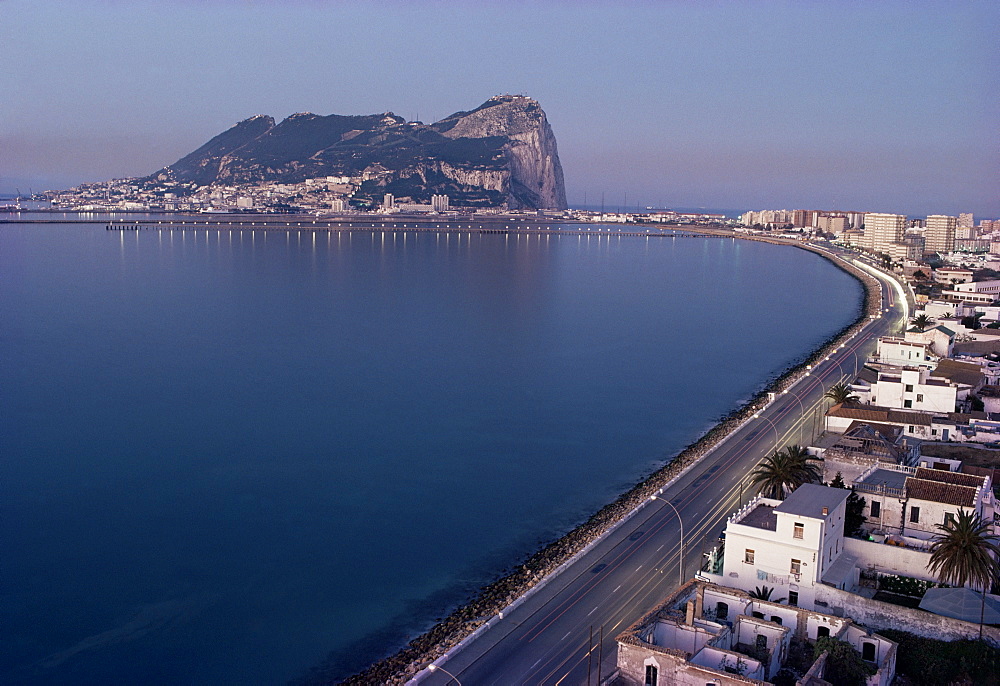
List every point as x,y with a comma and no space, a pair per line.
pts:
651,675
876,509
949,517
822,631
907,403
721,611
758,615
761,642
868,652
910,429
909,388
796,566
776,619
748,557
920,397
793,598
914,514
799,530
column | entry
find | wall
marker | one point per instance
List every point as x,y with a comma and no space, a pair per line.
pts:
877,615
889,559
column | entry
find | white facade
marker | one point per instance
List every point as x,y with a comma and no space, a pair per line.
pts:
992,287
939,235
787,545
913,389
884,229
903,353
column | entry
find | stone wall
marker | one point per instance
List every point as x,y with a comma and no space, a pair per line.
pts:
877,616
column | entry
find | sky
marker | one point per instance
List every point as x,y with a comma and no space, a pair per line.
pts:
886,106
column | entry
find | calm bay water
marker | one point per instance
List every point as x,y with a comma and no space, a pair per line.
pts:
226,454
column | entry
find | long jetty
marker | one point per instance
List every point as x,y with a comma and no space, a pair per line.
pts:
501,226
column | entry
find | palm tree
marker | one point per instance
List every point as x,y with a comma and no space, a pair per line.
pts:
783,471
764,593
840,393
965,552
921,321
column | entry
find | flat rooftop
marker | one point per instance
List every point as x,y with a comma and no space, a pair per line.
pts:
889,477
761,517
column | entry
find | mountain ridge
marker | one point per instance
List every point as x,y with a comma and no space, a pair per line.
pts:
502,153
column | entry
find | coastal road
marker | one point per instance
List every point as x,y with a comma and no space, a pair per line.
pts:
547,639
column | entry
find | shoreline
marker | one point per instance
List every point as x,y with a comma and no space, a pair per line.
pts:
463,621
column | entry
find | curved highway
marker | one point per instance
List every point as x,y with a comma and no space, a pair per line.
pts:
547,638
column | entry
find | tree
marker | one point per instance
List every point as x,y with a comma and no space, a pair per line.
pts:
840,393
844,665
919,275
921,322
964,552
764,593
783,471
855,515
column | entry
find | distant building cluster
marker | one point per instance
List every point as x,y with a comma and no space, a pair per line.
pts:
895,236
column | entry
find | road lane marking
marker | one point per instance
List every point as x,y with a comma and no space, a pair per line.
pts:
638,568
660,548
536,663
592,612
616,590
567,635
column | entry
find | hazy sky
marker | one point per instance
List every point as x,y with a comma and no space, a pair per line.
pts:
878,106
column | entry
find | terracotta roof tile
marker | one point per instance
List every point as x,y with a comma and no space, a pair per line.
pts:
935,491
874,413
946,477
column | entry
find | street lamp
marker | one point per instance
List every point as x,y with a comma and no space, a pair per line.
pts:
680,561
777,439
433,667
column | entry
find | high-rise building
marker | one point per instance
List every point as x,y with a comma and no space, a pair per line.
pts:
440,203
882,230
388,201
965,219
804,218
939,236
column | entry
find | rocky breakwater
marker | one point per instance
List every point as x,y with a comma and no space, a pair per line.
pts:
503,153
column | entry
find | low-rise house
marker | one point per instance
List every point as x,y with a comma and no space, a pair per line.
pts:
892,350
710,634
912,502
917,424
862,446
990,395
968,377
911,388
788,545
952,275
941,338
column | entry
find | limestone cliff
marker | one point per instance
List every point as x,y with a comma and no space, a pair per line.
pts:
501,153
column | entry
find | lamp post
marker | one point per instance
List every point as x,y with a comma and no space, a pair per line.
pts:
802,406
433,667
777,439
680,561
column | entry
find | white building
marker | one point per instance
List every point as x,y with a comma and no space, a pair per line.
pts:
788,545
912,388
939,235
710,634
440,203
911,502
884,229
900,352
990,287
